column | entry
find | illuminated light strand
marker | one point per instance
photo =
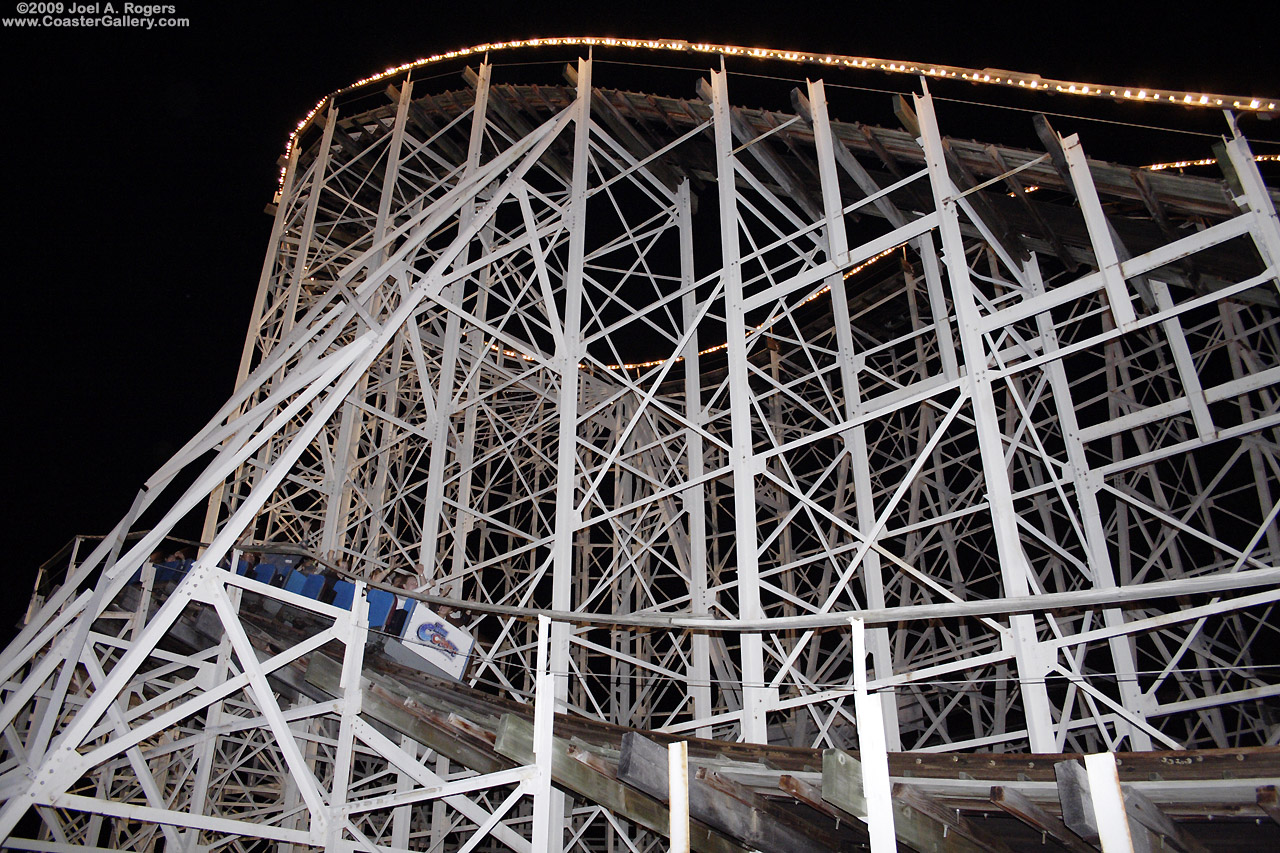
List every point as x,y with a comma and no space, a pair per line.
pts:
1207,161
986,76
1178,164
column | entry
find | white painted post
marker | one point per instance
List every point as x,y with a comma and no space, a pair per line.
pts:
678,785
547,822
755,691
1014,566
872,753
1108,803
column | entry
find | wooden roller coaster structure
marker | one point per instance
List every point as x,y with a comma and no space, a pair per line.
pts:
894,472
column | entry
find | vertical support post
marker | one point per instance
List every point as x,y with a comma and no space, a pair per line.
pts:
475,342
755,694
872,753
548,804
434,503
402,815
678,786
1108,803
206,752
568,518
213,508
855,439
1014,567
694,498
1184,362
938,304
291,795
440,825
389,385
356,632
1104,247
1254,196
297,275
1095,535
300,265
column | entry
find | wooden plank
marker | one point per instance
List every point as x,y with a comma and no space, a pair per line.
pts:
1073,795
810,830
643,765
842,788
1037,818
515,741
418,723
810,795
1147,813
1269,801
949,818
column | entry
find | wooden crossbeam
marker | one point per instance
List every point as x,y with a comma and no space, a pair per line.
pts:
763,806
1269,802
504,108
420,118
428,729
1073,796
603,110
515,741
1065,255
950,819
1147,813
1038,819
842,788
742,814
1049,138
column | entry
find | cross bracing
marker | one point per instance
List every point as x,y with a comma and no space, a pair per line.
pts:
620,360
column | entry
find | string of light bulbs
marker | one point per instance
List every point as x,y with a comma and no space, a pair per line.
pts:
1206,161
1183,164
985,76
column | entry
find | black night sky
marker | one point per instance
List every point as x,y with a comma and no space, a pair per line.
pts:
137,166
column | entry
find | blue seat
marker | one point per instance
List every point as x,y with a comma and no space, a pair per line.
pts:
312,586
380,604
344,594
295,581
264,573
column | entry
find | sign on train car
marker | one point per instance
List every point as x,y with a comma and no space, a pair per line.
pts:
440,643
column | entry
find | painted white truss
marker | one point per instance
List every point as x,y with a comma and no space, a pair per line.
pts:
497,351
